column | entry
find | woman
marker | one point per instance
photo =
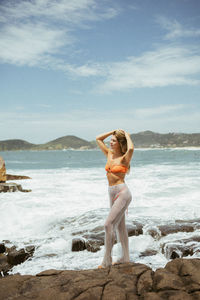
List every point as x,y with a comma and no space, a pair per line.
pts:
118,163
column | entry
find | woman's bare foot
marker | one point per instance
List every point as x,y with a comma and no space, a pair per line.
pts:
105,264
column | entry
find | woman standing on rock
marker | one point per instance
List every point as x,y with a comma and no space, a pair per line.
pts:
118,164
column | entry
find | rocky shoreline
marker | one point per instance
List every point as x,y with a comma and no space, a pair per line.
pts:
173,248
179,279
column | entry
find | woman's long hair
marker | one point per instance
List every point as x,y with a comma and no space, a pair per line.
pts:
120,136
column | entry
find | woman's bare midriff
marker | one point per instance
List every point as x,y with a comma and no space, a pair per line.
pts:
114,179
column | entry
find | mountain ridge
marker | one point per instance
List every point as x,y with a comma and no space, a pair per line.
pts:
143,139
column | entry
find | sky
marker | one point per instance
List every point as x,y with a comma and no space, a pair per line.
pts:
83,67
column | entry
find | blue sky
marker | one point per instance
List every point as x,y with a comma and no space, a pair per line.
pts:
83,67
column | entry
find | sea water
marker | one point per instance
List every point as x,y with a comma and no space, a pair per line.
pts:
69,195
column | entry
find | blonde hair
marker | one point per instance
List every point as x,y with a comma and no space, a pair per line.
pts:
120,135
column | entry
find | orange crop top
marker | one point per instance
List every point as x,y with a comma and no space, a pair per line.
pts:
116,169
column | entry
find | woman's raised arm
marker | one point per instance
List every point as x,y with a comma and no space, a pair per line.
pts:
130,148
100,138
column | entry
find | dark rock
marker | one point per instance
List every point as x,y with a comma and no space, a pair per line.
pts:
17,257
93,245
137,229
148,252
78,244
11,187
99,237
3,259
154,232
10,249
2,248
93,240
174,255
168,229
133,230
30,249
4,266
182,248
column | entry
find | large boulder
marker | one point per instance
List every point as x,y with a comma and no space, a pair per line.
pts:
2,170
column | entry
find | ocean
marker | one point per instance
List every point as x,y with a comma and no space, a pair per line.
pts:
69,195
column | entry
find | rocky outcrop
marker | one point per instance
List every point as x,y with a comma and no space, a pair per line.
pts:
173,248
95,238
16,177
10,257
180,279
12,187
2,170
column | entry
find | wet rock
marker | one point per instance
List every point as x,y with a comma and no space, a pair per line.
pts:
93,245
174,228
99,237
183,248
136,229
4,266
2,248
148,252
17,257
78,244
30,250
12,257
11,187
154,232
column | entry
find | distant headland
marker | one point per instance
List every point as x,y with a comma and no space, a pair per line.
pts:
144,139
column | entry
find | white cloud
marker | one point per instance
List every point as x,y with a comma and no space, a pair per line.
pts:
29,44
33,32
158,111
36,32
176,30
163,67
69,11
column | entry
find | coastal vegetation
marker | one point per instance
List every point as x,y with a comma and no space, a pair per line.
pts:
145,139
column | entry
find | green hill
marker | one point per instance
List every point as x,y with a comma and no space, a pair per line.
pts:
66,142
153,139
8,145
